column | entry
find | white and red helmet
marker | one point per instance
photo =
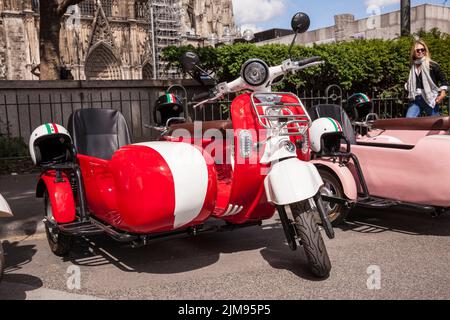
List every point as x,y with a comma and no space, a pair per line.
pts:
49,142
323,129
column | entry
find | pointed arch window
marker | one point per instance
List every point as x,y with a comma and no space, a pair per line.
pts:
147,71
102,64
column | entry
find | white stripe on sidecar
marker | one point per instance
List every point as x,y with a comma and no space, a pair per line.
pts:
190,175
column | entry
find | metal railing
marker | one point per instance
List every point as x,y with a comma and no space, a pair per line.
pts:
22,109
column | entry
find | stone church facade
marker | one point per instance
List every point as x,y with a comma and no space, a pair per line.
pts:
109,39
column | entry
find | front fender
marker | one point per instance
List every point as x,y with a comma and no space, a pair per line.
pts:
291,181
343,174
5,210
60,195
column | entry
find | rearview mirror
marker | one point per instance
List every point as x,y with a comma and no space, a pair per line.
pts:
300,22
189,61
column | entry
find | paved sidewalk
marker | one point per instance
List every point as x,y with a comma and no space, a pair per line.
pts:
19,191
377,255
18,291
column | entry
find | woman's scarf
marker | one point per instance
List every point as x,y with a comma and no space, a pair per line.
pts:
430,90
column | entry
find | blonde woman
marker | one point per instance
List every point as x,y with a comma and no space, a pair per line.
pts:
426,85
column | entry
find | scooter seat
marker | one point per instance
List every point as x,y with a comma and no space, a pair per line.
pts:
98,132
221,125
337,113
425,123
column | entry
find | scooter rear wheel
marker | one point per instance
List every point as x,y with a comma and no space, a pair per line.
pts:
332,187
60,244
311,239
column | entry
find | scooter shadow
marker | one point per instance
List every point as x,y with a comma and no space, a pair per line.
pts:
15,285
17,255
171,256
400,220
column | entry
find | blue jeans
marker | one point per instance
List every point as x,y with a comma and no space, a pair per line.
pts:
419,105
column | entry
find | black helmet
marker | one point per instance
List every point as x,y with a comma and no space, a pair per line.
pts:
359,106
166,107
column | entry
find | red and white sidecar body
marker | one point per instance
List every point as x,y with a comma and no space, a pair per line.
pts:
151,187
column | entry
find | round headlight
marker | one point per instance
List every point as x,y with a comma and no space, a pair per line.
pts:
255,72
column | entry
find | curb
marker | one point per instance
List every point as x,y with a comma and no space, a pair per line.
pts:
20,228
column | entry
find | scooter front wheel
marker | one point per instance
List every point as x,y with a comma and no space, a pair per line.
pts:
60,244
311,239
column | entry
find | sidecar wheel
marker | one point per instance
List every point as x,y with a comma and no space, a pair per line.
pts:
337,213
60,244
2,261
311,239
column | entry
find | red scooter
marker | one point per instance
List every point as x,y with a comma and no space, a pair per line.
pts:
240,171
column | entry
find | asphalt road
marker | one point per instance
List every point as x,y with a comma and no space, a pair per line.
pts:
405,255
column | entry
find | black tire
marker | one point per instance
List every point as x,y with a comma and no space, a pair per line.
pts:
311,239
337,213
2,261
60,244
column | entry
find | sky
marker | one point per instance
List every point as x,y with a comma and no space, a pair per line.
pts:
261,15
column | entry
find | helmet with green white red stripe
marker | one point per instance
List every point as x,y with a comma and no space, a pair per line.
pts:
167,106
49,143
323,130
358,106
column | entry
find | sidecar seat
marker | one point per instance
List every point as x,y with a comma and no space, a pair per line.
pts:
220,125
98,132
336,112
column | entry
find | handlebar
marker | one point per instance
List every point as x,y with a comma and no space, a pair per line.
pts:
304,62
203,96
288,66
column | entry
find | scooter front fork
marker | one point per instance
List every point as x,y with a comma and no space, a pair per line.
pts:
288,228
323,216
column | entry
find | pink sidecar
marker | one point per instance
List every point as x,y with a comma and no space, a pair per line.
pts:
398,162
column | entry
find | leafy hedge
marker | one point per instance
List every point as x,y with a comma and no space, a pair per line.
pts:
12,147
359,65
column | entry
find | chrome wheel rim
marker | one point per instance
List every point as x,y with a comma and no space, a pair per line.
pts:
329,189
49,216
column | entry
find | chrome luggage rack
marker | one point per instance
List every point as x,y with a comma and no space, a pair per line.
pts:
278,120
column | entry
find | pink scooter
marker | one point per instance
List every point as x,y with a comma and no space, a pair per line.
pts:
396,162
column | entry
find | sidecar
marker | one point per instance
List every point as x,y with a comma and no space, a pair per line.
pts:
94,180
398,162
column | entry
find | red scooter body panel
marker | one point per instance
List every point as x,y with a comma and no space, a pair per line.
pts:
100,189
247,184
248,177
61,196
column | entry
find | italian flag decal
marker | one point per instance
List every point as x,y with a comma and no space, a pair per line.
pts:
337,125
171,98
51,128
